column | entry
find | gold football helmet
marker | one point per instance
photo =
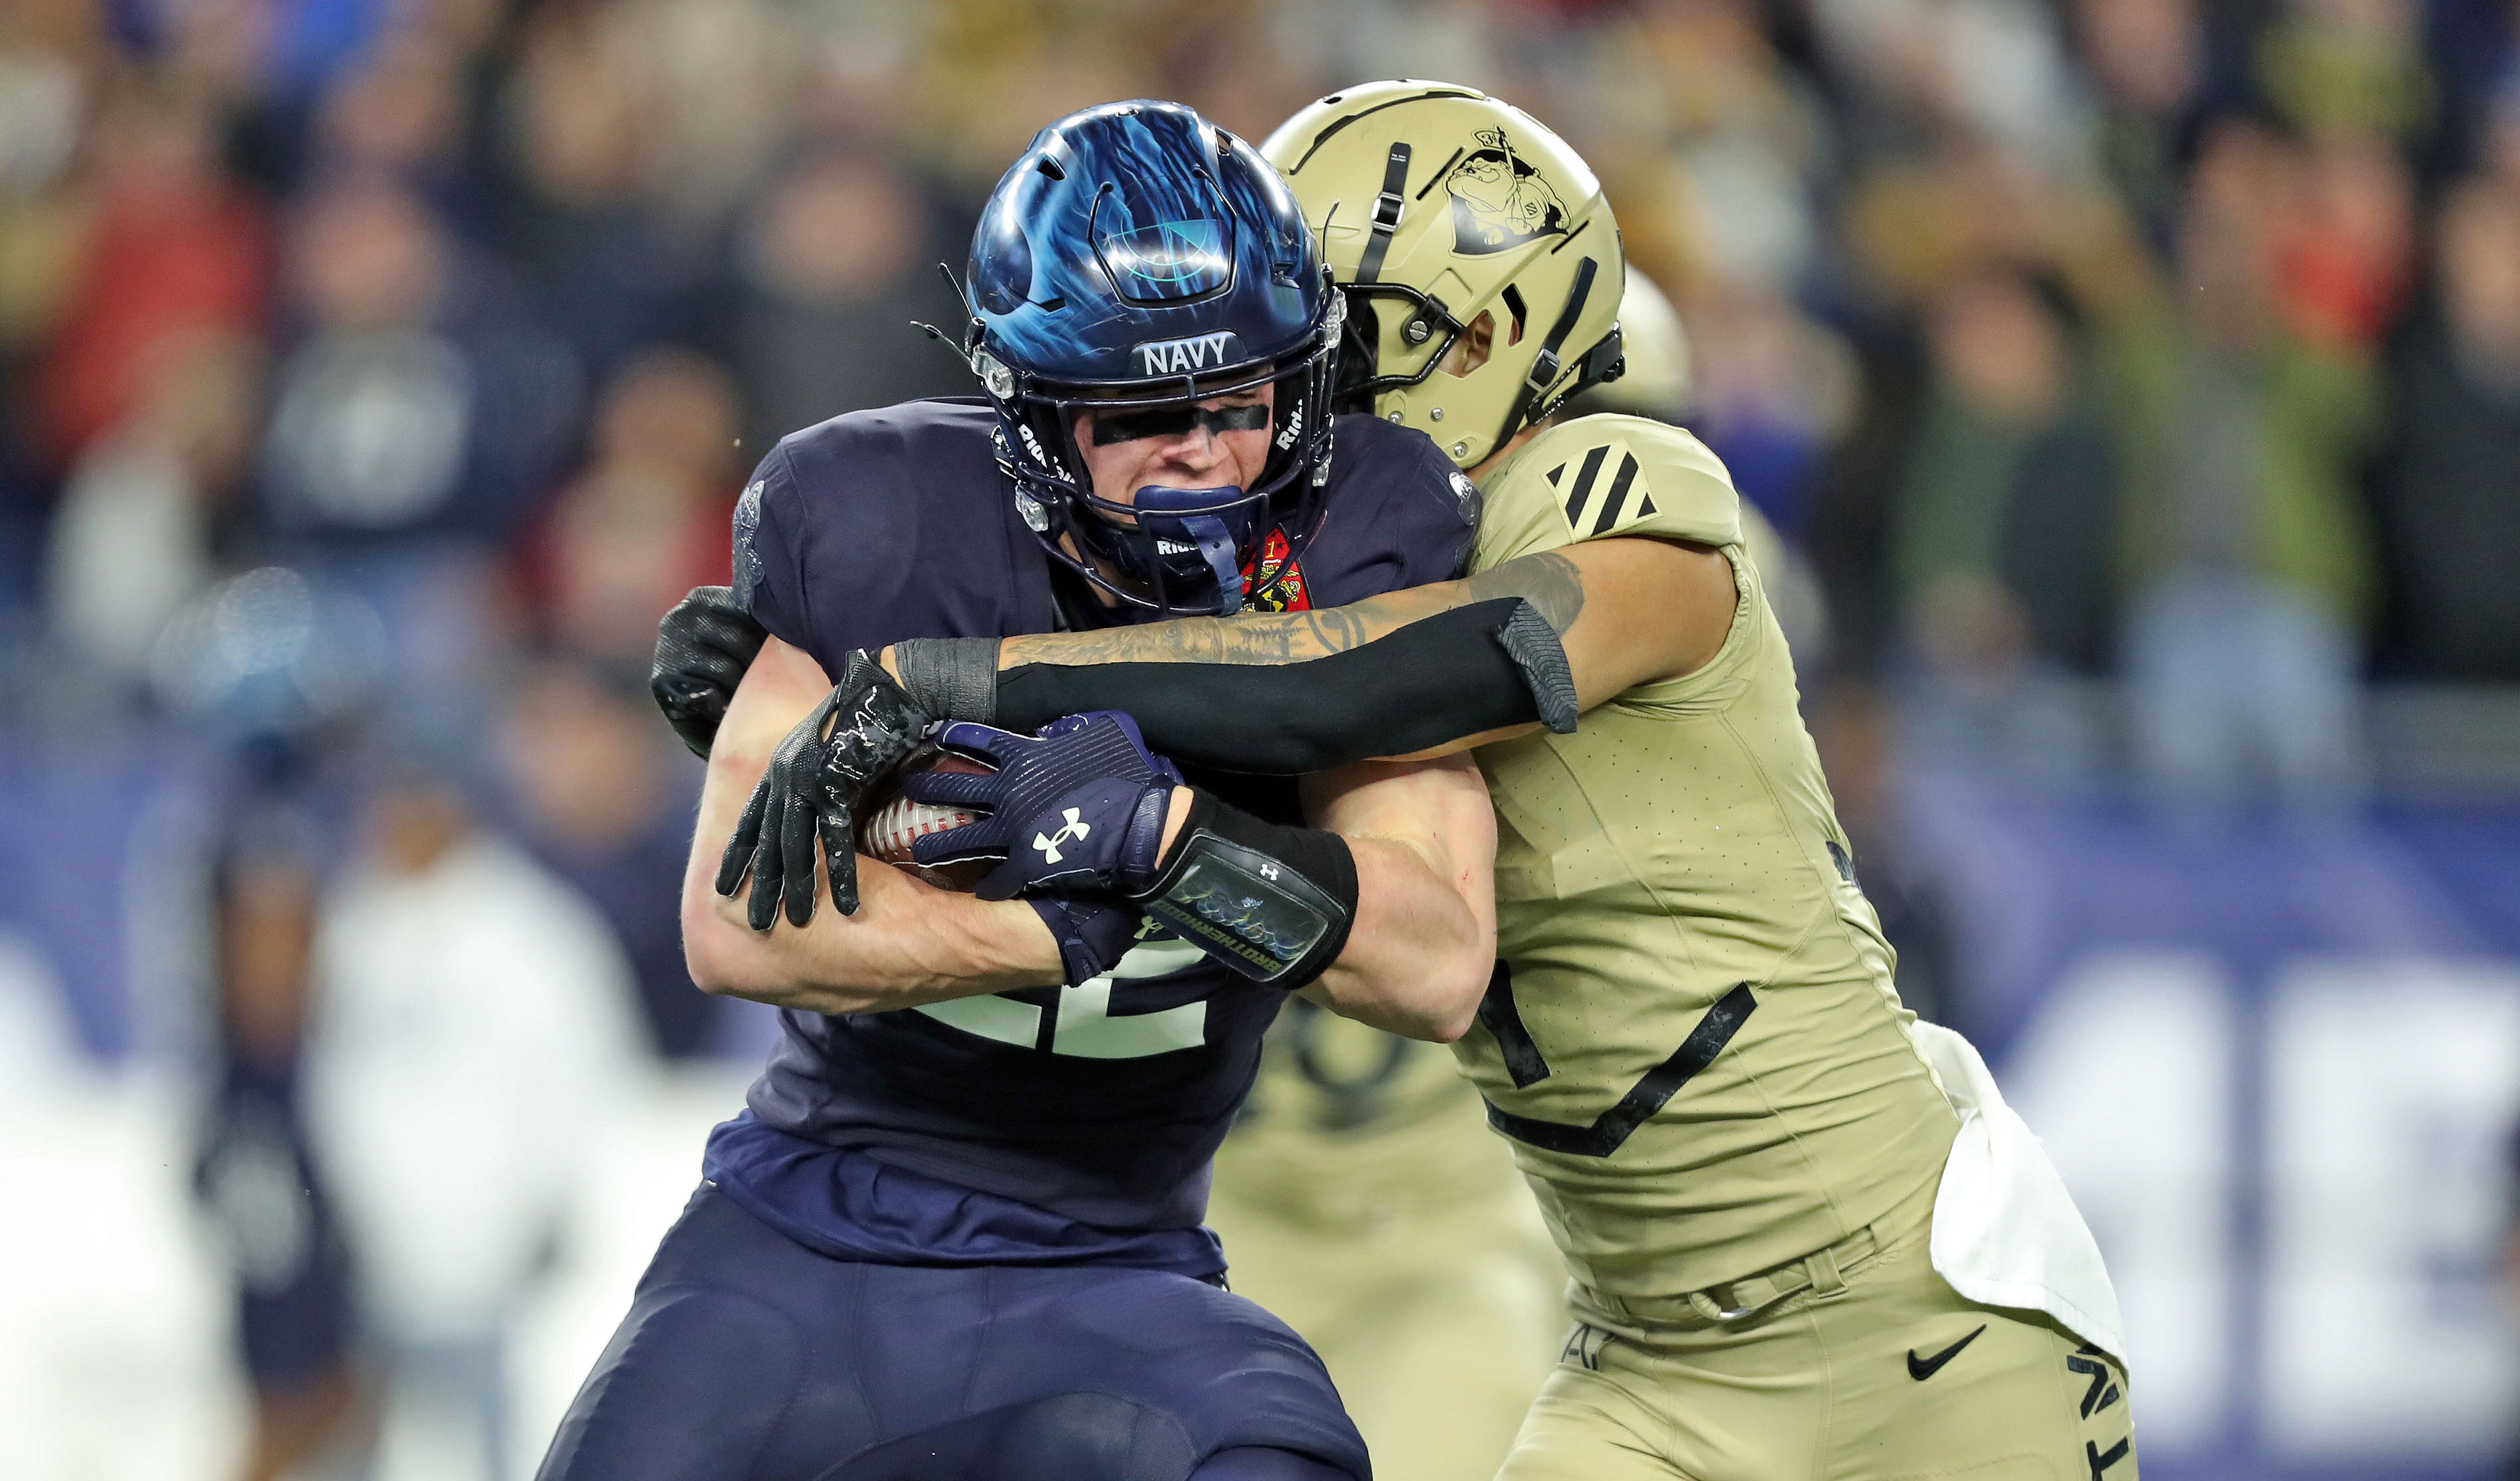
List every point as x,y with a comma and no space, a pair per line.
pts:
1437,205
1660,378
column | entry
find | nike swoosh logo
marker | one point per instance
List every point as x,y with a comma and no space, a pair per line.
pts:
1923,1368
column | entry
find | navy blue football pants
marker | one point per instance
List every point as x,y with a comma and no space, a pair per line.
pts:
746,1357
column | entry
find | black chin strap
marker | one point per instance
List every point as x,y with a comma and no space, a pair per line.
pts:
1546,368
1386,213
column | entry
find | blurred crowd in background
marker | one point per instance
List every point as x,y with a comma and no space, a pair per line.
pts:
2138,379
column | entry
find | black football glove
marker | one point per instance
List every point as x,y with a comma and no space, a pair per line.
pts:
703,646
816,783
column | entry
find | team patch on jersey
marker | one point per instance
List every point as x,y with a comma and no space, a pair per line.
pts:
1199,352
1273,582
1499,201
1608,503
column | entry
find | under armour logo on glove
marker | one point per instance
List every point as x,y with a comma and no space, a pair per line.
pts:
1076,831
1085,794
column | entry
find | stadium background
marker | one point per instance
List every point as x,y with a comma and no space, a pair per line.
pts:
2139,381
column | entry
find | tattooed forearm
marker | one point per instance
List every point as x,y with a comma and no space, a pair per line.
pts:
1548,581
1275,638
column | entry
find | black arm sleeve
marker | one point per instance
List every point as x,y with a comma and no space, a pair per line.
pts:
1479,667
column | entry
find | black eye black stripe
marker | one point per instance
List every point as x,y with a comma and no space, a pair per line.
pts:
1173,420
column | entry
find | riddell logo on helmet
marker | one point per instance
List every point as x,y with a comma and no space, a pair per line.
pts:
1199,352
1041,455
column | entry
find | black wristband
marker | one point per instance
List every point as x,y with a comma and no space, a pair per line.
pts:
1271,902
1484,666
951,678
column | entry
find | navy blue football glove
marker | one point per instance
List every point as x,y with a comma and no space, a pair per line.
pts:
815,785
1093,933
703,647
1078,808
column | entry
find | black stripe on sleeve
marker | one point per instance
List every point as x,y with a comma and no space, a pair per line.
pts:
1618,497
1576,500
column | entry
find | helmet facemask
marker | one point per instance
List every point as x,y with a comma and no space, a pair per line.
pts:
1172,551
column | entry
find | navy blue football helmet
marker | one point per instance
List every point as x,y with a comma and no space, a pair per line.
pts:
1137,256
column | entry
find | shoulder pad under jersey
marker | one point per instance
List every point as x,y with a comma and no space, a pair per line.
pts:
1607,474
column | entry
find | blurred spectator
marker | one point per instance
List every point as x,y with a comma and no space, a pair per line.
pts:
270,672
400,113
172,249
2244,526
2001,526
1993,69
133,538
604,799
648,519
407,406
724,77
47,86
832,266
256,1175
2147,60
1207,58
996,71
2353,66
1775,391
2450,490
2501,147
303,46
1659,383
585,238
415,424
2344,261
473,1022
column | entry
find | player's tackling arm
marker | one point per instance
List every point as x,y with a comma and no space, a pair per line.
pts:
1427,671
908,943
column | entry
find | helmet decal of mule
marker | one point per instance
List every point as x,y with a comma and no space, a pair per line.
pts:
1499,199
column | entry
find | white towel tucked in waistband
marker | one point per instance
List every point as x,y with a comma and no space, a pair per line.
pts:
2006,1231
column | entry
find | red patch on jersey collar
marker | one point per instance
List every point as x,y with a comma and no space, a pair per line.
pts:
1274,582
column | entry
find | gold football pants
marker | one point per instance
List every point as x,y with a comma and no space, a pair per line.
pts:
1874,1371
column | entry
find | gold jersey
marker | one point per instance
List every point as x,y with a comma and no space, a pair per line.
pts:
1695,1048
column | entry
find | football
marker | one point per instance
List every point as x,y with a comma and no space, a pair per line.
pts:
896,821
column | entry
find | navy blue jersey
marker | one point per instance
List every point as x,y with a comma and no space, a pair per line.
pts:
1103,1101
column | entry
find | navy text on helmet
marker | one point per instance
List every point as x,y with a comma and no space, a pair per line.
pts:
1137,256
